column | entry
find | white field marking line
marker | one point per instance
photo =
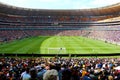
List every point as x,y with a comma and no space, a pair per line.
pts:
83,47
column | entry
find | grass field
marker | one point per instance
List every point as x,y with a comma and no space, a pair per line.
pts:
72,44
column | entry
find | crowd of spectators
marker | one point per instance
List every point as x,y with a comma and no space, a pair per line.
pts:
58,68
9,35
108,36
111,34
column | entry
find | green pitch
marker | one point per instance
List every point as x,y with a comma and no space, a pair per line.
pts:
72,44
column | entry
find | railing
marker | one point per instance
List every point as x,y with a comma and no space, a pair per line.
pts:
60,55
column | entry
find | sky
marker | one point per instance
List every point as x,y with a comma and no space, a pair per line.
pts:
60,4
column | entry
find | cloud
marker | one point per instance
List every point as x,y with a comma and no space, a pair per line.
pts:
104,2
60,4
19,3
47,1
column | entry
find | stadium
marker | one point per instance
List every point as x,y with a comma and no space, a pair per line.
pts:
64,32
59,44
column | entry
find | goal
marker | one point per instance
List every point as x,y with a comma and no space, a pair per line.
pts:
56,50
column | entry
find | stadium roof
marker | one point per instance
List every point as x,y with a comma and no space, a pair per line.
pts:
13,10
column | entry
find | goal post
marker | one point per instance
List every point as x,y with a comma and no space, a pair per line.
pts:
57,50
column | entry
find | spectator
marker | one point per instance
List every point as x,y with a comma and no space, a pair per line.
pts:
26,75
51,75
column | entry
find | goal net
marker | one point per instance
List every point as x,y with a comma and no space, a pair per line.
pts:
56,50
